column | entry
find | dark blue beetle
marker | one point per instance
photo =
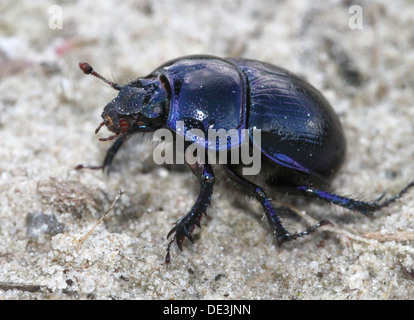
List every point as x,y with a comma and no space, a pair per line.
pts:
302,141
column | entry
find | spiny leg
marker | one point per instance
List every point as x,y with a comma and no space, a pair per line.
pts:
280,233
185,226
110,154
364,207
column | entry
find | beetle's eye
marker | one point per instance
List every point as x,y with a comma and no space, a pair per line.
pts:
124,124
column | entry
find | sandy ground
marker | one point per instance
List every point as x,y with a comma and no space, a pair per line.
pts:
49,111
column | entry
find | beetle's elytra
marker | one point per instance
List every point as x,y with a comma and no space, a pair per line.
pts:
302,144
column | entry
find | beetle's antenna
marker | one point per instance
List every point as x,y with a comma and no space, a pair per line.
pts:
87,69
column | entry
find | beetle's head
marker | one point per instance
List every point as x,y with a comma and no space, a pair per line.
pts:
139,106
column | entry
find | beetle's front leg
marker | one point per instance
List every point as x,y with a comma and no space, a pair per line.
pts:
186,225
110,154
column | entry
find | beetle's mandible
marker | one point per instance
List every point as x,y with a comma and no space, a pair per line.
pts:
302,143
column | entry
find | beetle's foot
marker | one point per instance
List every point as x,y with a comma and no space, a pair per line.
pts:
87,166
288,237
110,154
184,228
387,202
368,208
105,168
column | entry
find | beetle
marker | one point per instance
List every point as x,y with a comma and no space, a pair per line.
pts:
302,143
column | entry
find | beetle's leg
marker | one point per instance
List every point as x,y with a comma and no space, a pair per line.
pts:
186,225
280,233
364,207
110,154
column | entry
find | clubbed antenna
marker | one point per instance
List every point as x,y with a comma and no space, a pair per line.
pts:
87,69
